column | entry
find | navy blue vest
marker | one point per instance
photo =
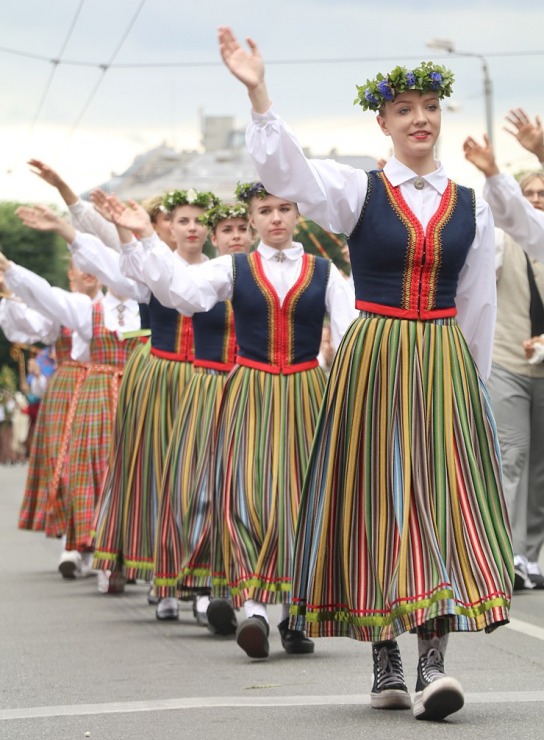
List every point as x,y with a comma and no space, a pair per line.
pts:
272,337
215,339
171,333
398,268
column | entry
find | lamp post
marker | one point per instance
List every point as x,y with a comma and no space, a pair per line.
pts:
447,45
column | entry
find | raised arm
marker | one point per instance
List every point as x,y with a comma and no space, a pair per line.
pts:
326,192
83,215
530,135
512,212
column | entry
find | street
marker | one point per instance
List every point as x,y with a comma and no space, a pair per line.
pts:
80,664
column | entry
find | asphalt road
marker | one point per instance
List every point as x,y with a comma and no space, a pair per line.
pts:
78,664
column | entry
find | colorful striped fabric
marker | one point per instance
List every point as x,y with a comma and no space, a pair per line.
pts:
49,431
156,397
184,531
107,526
90,441
402,519
265,429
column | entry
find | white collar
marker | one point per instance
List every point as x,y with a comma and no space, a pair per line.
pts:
293,253
399,174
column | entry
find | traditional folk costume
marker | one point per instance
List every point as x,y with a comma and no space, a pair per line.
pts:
126,523
183,550
271,400
84,451
23,324
403,523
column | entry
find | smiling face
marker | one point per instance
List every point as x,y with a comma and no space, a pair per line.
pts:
274,219
412,120
188,232
232,235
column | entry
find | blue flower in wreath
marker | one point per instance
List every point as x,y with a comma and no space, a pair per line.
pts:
385,90
436,80
410,79
371,98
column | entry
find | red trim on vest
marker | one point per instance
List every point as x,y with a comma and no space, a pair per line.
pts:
277,369
213,365
404,313
176,356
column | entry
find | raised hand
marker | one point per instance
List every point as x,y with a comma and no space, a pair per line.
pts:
40,218
130,215
99,200
482,157
530,135
248,67
45,172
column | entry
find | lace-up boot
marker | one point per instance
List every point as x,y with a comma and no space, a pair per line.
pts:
389,689
437,695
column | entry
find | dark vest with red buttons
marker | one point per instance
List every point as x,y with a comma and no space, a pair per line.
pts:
400,269
278,338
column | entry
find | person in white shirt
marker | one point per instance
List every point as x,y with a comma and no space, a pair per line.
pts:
516,383
271,400
99,324
395,531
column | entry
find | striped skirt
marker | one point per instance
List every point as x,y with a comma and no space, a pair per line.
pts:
108,522
43,503
264,434
89,451
156,399
402,521
184,533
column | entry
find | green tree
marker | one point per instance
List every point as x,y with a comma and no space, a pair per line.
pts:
42,252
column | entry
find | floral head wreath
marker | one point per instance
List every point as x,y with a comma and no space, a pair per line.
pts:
189,197
221,212
245,191
428,77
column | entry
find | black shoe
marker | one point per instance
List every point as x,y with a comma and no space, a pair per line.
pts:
437,695
221,617
252,636
389,690
294,642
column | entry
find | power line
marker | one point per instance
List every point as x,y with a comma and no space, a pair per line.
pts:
152,65
55,63
104,68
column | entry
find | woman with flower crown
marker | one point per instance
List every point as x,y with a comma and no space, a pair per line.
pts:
270,404
156,394
183,549
402,524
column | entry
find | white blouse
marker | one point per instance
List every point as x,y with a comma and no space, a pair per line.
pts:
195,288
515,215
24,325
73,310
332,195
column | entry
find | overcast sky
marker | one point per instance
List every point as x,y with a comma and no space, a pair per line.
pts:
88,124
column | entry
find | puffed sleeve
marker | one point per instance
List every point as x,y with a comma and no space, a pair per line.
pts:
329,193
476,298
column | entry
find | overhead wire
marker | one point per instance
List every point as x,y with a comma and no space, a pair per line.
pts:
55,64
104,68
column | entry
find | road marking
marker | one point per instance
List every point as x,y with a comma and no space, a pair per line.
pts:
211,702
526,628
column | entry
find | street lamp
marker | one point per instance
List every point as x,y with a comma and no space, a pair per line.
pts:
447,45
